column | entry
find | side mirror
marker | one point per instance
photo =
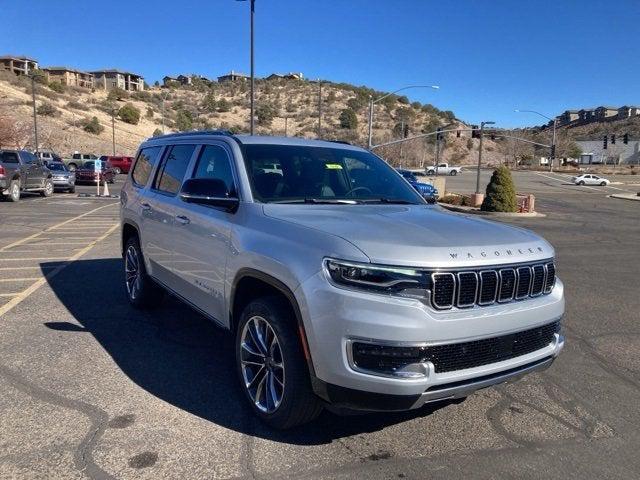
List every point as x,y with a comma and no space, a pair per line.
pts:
209,191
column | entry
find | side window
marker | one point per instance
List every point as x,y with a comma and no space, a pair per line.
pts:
147,159
9,157
214,163
176,161
28,157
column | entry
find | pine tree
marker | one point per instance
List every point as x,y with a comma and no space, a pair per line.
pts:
501,193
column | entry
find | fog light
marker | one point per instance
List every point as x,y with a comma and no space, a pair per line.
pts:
405,362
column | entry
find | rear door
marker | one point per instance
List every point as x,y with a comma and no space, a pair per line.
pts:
159,226
202,244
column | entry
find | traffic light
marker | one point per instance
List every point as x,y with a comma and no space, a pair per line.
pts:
625,138
474,131
613,139
457,133
604,142
405,131
439,135
553,151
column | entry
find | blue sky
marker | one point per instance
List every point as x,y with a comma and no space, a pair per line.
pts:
489,57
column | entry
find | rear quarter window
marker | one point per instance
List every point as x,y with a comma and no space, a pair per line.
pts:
147,158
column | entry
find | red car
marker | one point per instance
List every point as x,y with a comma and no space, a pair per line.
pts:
119,164
87,173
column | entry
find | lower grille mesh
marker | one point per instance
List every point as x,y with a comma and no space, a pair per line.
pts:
458,356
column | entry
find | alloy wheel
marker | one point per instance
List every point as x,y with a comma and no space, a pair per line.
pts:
15,191
262,364
132,272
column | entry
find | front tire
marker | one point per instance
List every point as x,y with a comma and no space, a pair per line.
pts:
142,292
117,171
47,191
271,366
431,172
581,183
603,184
453,173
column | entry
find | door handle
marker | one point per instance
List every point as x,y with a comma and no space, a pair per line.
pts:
145,207
182,219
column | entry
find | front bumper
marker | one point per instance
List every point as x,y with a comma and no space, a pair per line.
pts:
335,317
63,183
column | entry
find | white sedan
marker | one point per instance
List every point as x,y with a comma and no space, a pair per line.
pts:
588,179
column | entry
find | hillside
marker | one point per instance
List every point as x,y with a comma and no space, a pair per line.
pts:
280,104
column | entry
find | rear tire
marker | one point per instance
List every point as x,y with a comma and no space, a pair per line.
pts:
117,171
453,173
142,291
431,172
72,167
581,183
271,367
603,184
14,191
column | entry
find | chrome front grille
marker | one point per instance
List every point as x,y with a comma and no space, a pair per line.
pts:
489,286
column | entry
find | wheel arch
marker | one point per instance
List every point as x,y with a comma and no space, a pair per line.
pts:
249,284
129,229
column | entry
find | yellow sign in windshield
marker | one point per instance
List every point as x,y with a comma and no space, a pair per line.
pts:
334,166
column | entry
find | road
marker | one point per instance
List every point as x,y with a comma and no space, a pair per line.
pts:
94,389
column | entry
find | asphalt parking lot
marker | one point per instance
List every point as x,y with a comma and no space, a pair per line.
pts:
94,389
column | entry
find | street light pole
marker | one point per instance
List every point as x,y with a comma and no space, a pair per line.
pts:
35,115
253,5
553,140
372,102
113,130
319,108
482,124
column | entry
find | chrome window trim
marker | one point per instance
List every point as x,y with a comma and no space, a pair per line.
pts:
433,290
513,290
495,291
475,296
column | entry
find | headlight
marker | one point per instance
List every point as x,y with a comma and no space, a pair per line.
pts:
378,278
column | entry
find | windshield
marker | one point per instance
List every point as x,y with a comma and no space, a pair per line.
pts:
292,173
57,166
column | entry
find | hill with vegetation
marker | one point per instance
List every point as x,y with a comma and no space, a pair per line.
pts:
76,119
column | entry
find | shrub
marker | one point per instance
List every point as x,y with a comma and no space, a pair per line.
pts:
403,99
57,87
150,112
416,105
129,114
223,105
348,119
266,113
501,193
209,103
93,126
157,132
46,109
356,103
76,105
184,121
117,94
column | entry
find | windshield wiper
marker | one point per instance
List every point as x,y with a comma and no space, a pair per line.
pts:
320,201
396,201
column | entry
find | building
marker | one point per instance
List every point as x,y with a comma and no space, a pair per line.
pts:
605,113
617,153
185,79
18,65
113,78
626,112
585,115
168,81
568,116
286,76
69,76
233,77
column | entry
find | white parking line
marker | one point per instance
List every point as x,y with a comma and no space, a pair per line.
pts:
25,279
35,267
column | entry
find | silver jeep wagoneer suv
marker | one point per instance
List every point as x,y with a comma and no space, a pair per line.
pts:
341,284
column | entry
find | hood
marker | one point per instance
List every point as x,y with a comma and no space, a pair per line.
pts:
418,235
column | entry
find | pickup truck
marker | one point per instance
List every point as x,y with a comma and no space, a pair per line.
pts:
443,169
77,160
22,171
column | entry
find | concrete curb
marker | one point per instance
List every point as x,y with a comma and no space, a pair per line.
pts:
625,196
477,211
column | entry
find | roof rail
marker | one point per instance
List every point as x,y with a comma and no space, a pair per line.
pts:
344,142
225,133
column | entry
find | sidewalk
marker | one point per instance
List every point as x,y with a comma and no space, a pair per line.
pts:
626,196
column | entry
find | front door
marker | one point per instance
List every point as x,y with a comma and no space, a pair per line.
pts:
33,170
202,243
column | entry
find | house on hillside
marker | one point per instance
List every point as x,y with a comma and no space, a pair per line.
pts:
185,79
605,113
168,81
626,112
286,76
233,77
586,115
114,78
69,76
617,153
18,65
567,117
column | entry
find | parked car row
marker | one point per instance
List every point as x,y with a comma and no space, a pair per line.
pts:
45,172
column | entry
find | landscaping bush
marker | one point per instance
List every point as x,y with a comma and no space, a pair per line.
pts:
117,94
265,113
57,87
47,110
223,105
93,126
348,119
501,193
184,121
157,132
129,114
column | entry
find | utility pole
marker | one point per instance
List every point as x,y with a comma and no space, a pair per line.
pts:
319,108
113,130
482,124
553,146
437,156
253,9
35,115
